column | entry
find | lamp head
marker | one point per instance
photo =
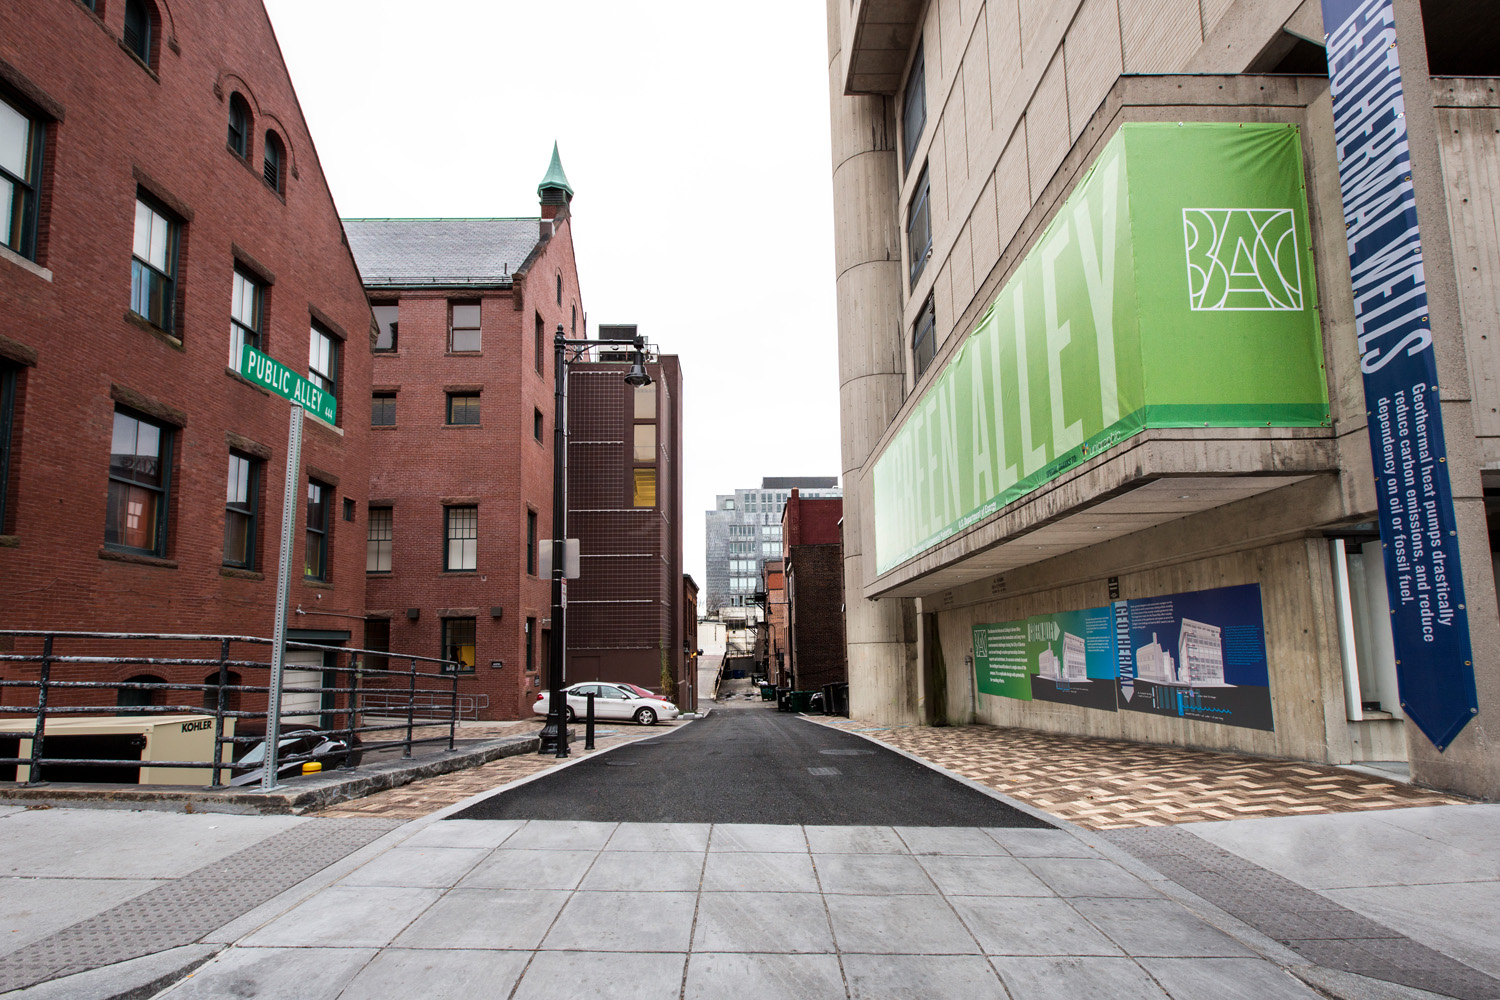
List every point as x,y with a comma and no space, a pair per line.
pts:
638,376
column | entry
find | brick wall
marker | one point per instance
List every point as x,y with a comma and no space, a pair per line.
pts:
815,589
115,127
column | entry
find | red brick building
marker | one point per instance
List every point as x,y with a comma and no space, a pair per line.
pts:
163,203
460,416
778,649
625,611
813,561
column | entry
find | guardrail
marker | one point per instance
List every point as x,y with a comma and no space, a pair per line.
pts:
68,684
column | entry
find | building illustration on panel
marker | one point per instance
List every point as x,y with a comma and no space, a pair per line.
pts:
1074,662
1048,665
1154,664
1200,654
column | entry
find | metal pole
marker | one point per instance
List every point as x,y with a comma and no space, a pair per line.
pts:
40,734
453,712
283,594
219,711
588,739
352,720
557,722
411,707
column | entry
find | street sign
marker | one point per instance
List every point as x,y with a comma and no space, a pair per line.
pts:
266,371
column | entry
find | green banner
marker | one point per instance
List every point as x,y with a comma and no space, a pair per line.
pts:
1173,289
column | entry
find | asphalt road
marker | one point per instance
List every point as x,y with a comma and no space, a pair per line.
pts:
752,764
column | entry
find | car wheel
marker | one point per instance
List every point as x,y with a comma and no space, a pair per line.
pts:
569,712
646,717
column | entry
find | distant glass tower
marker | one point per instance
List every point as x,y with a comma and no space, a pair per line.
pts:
744,530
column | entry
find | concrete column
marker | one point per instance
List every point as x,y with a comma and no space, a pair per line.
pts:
867,249
1471,764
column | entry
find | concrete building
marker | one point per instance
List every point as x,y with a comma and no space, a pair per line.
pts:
744,530
163,204
625,611
812,561
1099,354
460,417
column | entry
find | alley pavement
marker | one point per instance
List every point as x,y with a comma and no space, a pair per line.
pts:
1395,904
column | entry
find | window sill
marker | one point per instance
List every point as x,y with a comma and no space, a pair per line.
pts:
136,558
385,354
459,572
463,427
383,427
377,573
240,573
316,584
137,320
10,541
463,354
318,421
137,59
25,263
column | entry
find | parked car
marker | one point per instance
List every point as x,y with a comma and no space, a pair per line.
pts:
611,701
304,744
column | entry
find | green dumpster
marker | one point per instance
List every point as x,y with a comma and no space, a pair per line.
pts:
767,693
799,701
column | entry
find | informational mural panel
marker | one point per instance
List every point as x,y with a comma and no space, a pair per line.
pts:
1173,289
1199,655
1418,529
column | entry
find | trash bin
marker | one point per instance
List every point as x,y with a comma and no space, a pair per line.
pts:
767,693
799,701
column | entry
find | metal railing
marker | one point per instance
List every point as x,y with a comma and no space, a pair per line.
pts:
386,703
68,685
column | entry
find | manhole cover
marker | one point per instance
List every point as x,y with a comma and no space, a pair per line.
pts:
848,753
823,772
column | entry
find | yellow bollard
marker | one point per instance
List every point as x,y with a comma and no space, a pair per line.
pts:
311,767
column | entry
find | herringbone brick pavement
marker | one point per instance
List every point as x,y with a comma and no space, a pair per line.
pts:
1109,784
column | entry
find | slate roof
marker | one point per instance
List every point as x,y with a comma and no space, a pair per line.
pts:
403,252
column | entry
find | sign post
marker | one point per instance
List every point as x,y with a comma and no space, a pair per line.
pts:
1418,529
263,370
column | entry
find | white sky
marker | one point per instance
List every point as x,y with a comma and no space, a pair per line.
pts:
695,134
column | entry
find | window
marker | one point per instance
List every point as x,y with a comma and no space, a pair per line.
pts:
349,509
463,408
536,424
315,564
378,540
239,511
140,462
923,338
645,404
559,288
463,327
323,361
383,409
462,550
645,488
244,317
153,265
645,442
530,645
458,643
271,168
10,377
20,170
919,228
239,126
541,336
378,640
385,318
914,107
573,322
531,542
138,30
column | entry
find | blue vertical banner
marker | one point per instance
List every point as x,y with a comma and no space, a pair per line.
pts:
1418,530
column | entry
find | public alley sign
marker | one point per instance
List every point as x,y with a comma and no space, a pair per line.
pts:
266,371
1418,531
1173,289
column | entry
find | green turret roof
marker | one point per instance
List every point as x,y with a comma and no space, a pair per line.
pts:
555,177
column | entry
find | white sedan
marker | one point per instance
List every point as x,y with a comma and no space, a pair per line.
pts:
610,702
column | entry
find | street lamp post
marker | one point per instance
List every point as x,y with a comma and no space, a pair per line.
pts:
554,737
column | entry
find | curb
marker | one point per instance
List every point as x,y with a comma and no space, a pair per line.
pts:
309,793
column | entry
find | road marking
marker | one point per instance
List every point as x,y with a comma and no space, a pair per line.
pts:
823,772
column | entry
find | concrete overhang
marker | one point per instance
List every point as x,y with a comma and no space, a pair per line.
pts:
1156,477
877,39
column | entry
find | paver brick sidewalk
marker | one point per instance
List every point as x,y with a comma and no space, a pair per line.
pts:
1104,784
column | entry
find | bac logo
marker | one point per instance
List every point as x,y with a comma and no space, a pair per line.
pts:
979,644
1242,259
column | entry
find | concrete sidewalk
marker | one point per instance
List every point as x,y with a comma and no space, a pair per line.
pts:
1388,905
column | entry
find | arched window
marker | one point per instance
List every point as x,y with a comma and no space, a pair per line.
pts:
211,692
275,155
239,126
559,288
138,29
130,697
